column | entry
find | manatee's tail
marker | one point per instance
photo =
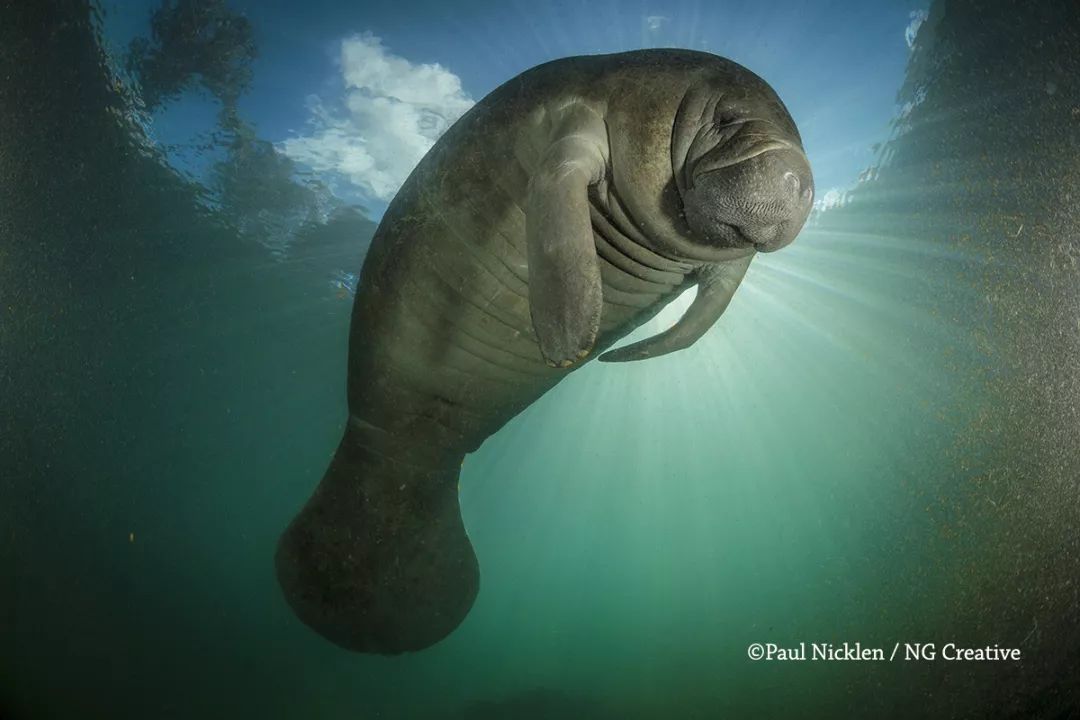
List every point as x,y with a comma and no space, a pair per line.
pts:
378,560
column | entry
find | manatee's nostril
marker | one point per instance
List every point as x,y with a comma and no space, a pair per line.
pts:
791,181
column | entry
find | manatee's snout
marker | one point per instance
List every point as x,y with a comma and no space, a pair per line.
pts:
762,201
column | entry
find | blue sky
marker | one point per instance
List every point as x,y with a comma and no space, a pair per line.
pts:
331,74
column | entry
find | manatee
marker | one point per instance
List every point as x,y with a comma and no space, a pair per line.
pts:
557,215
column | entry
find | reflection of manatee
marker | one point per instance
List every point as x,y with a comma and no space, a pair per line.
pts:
560,213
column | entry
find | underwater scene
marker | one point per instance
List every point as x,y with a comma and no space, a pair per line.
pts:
474,360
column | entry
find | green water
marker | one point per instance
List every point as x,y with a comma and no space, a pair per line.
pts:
877,443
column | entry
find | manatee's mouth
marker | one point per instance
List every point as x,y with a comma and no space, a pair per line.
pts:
730,236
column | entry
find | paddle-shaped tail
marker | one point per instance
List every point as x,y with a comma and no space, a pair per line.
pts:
378,560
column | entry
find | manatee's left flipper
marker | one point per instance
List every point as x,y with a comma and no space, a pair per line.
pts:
565,290
716,285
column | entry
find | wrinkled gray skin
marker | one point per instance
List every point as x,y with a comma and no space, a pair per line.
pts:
560,213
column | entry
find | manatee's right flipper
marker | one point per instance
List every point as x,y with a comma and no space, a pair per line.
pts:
565,290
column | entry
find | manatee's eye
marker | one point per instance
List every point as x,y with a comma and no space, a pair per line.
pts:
707,147
725,118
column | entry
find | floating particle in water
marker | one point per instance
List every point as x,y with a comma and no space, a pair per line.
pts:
344,284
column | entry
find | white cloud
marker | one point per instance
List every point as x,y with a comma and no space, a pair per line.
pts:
655,22
833,198
918,17
390,115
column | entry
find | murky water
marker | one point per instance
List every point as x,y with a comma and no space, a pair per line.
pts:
878,443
